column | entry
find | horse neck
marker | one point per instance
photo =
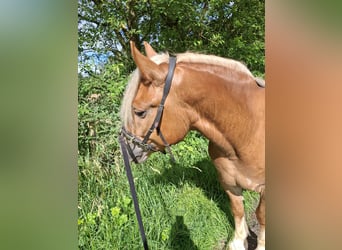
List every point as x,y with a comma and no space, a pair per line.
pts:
224,109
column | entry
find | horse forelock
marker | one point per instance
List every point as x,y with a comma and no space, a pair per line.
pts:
188,57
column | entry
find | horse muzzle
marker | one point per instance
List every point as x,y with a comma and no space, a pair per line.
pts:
138,150
136,153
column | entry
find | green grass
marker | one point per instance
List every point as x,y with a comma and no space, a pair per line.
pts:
182,204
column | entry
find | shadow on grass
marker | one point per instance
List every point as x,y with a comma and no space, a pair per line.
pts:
204,176
180,236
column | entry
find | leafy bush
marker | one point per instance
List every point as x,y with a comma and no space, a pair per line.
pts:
99,99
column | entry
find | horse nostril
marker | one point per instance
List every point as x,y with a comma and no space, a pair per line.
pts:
140,113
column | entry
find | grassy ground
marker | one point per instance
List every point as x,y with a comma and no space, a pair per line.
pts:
182,204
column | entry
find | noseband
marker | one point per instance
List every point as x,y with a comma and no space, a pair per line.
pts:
156,123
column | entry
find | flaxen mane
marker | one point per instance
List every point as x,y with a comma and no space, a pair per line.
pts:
133,83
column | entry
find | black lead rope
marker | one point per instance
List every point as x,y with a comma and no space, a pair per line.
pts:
133,192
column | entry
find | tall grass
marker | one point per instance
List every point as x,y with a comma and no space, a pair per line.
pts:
182,204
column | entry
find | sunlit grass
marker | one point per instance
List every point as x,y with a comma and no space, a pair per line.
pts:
182,204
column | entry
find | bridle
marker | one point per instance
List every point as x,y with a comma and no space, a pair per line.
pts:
143,143
125,137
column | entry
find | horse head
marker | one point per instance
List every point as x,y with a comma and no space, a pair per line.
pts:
145,99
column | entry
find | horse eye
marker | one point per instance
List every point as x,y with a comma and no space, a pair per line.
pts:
140,113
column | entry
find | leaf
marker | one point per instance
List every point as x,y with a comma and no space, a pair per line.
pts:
115,211
122,219
91,218
165,234
126,201
80,221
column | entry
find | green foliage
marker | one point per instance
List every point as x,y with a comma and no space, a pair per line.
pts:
99,99
233,29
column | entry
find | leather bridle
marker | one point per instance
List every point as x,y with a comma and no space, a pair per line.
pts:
143,143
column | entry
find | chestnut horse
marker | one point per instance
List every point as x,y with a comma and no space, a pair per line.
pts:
218,97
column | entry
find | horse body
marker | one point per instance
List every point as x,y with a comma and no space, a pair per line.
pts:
218,97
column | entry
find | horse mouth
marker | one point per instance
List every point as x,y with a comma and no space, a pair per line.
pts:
138,154
138,150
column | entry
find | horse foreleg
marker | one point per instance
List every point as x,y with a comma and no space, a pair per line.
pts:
226,172
260,214
241,229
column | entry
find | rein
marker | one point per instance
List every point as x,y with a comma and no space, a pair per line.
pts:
126,149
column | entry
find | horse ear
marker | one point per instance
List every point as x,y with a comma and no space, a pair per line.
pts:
150,52
149,69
